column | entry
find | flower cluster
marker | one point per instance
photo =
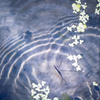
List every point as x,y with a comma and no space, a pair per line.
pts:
97,10
75,58
81,27
95,84
76,7
40,91
83,17
72,27
77,41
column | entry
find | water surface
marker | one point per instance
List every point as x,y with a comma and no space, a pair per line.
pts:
34,38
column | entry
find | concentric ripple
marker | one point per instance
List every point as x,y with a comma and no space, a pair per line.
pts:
35,40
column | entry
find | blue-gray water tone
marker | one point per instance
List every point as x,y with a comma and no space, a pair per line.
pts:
34,38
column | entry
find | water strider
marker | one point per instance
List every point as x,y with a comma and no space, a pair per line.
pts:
59,73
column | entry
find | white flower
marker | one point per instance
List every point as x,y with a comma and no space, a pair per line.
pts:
96,11
79,56
39,85
43,90
76,42
38,89
70,57
84,18
81,27
48,99
45,97
83,13
84,6
47,88
78,1
71,44
55,98
34,85
41,95
75,64
81,41
75,57
76,7
78,37
78,68
40,92
36,97
69,28
95,84
98,5
75,12
74,37
87,16
43,83
32,92
98,0
73,26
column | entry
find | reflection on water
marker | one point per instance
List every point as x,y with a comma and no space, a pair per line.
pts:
34,38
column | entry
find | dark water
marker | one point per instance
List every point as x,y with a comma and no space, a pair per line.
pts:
34,38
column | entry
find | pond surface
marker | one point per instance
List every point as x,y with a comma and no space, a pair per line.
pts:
34,38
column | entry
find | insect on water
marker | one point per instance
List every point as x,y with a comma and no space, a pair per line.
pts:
59,73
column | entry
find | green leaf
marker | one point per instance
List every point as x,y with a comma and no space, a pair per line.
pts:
64,97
